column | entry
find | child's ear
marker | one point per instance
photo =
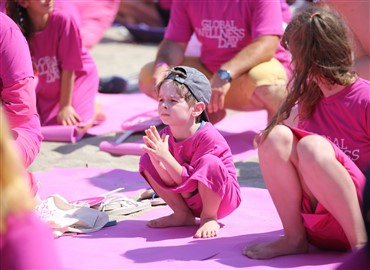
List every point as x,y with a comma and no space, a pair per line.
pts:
199,107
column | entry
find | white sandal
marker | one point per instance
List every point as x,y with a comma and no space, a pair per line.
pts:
119,204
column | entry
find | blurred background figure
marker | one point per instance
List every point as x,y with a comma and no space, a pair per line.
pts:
93,17
150,12
67,74
357,14
17,93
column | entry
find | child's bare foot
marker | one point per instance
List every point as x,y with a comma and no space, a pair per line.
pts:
172,221
208,228
280,247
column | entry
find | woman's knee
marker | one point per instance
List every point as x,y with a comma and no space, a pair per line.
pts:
314,148
277,140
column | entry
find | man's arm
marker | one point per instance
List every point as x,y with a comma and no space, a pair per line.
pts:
262,49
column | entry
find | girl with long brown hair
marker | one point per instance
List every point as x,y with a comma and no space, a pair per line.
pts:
315,172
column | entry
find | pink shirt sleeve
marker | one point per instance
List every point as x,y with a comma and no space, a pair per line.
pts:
17,89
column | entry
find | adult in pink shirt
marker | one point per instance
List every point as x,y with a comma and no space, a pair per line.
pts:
67,75
240,53
316,173
17,92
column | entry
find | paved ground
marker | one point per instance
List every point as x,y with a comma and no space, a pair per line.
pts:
116,54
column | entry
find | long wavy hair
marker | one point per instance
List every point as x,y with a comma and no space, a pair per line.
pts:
16,197
20,16
321,48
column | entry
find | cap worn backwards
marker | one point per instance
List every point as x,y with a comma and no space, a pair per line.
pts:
196,82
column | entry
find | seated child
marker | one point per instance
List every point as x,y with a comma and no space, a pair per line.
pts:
189,164
68,78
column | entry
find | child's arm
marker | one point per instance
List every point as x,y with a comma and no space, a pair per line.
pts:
67,115
166,165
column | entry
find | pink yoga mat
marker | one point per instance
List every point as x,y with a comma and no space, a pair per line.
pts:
61,133
132,245
120,149
120,107
239,130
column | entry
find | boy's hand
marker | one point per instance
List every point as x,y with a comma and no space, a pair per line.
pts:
155,146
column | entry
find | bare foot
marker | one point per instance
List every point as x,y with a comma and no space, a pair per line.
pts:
276,248
99,115
172,221
207,229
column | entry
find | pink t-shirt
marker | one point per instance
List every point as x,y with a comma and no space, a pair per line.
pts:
27,244
17,90
344,119
58,46
224,28
205,157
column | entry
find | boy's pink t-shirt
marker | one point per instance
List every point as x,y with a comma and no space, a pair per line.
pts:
205,157
344,119
224,28
53,49
28,243
17,90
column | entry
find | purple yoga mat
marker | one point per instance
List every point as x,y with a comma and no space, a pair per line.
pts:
132,245
61,133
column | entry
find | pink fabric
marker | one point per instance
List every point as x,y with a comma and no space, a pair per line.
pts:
93,18
59,47
204,157
344,119
59,133
225,27
165,4
17,92
27,244
285,10
322,228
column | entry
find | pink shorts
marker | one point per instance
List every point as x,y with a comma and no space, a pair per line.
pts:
225,185
323,230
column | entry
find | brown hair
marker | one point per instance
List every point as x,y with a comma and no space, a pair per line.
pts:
20,16
321,51
16,195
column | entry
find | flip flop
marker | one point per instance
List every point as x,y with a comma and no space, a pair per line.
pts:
121,205
153,197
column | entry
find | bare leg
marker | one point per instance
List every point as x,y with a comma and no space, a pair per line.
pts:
278,152
181,216
209,226
332,186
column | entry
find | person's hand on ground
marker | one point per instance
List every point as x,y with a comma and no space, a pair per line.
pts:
67,116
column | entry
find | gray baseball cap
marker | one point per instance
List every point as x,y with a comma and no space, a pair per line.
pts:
196,82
